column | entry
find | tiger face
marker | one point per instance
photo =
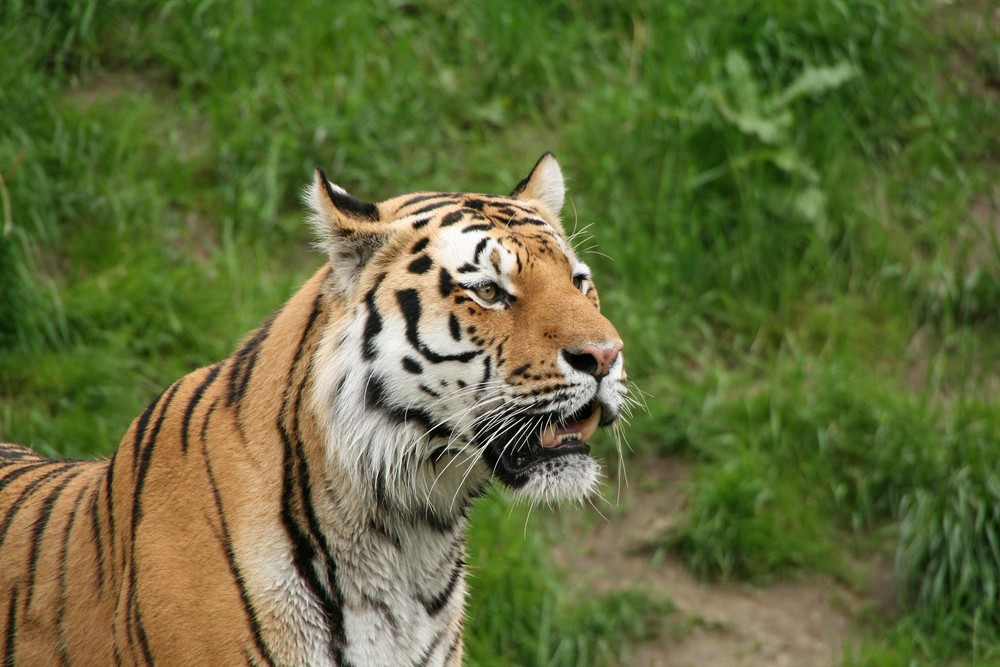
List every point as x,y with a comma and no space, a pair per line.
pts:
473,345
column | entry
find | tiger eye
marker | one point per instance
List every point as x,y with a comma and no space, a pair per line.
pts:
487,292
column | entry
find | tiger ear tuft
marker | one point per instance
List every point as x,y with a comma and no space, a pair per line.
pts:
347,229
545,183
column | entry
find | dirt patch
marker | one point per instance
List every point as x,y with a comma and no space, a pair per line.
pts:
984,212
169,123
968,27
103,86
800,623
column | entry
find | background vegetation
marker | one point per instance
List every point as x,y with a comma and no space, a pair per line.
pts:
796,204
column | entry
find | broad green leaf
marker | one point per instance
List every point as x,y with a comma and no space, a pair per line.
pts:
770,128
739,79
816,80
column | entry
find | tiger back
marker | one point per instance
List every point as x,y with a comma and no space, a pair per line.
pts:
304,501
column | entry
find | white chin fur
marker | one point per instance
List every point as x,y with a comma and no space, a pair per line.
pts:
571,477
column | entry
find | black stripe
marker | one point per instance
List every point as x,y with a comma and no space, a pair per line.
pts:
426,197
10,634
145,459
24,468
454,327
420,265
373,325
196,398
245,359
378,489
480,247
116,653
438,602
136,625
477,228
412,366
452,218
419,245
456,644
208,418
333,600
140,429
11,453
140,630
95,525
520,369
445,284
303,550
487,370
409,305
433,206
296,491
26,493
63,576
227,548
41,522
109,495
134,614
527,221
377,396
425,657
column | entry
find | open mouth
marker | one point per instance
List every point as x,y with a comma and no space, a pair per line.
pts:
512,461
578,429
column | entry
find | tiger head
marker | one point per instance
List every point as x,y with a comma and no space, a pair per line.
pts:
471,345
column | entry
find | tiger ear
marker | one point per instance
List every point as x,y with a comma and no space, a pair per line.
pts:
347,229
545,183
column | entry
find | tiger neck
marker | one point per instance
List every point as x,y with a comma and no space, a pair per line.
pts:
384,569
390,459
368,471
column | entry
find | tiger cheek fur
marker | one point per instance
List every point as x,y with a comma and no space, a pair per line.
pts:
304,500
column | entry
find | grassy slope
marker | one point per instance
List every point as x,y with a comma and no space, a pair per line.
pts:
797,198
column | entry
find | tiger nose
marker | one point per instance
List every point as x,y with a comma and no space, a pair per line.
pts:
593,360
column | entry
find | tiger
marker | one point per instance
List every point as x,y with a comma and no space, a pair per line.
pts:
305,500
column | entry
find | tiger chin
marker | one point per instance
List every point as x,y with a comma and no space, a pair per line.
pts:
304,501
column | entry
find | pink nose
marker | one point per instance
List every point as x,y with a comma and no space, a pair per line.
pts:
593,360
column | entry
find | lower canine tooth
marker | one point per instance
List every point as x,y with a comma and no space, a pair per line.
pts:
590,425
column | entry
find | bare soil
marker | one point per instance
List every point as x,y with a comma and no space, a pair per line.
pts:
790,623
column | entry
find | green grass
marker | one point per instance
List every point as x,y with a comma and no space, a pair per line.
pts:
795,202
